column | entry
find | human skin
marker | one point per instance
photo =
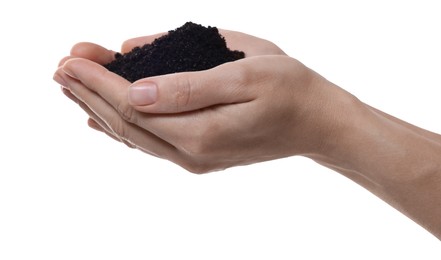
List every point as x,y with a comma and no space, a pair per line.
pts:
263,107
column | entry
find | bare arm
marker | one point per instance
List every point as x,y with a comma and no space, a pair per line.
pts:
264,107
398,162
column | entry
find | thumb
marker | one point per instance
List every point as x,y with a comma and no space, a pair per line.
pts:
188,91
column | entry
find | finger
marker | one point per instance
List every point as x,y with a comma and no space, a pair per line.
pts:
93,52
94,121
98,123
188,91
97,78
100,109
160,135
128,45
63,60
104,90
94,125
68,94
90,51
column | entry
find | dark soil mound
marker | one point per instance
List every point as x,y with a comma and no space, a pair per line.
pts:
191,47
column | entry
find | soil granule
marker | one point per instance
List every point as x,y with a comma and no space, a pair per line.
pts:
191,47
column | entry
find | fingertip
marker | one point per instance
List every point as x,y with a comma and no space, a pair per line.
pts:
93,52
69,94
79,48
69,67
76,67
128,45
63,60
94,125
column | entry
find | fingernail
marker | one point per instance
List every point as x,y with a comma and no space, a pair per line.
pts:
68,71
143,94
59,80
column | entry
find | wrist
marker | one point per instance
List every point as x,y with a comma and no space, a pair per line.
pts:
381,150
393,160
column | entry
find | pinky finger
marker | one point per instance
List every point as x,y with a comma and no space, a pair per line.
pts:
94,125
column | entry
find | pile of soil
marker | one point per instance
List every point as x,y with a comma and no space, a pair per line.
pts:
191,47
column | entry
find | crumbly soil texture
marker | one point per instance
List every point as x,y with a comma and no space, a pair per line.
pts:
191,47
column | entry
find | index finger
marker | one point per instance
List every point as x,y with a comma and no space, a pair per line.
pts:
110,86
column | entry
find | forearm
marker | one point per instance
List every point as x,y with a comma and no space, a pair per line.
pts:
398,162
430,135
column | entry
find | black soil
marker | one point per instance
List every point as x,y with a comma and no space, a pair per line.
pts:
191,47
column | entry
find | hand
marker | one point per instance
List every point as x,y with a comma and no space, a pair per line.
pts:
251,110
251,45
263,107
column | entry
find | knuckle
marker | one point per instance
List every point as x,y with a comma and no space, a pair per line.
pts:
197,147
119,128
202,140
201,148
241,76
183,92
126,112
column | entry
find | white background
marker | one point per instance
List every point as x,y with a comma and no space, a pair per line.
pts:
68,192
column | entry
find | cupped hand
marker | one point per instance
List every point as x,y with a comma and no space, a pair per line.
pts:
255,109
251,45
